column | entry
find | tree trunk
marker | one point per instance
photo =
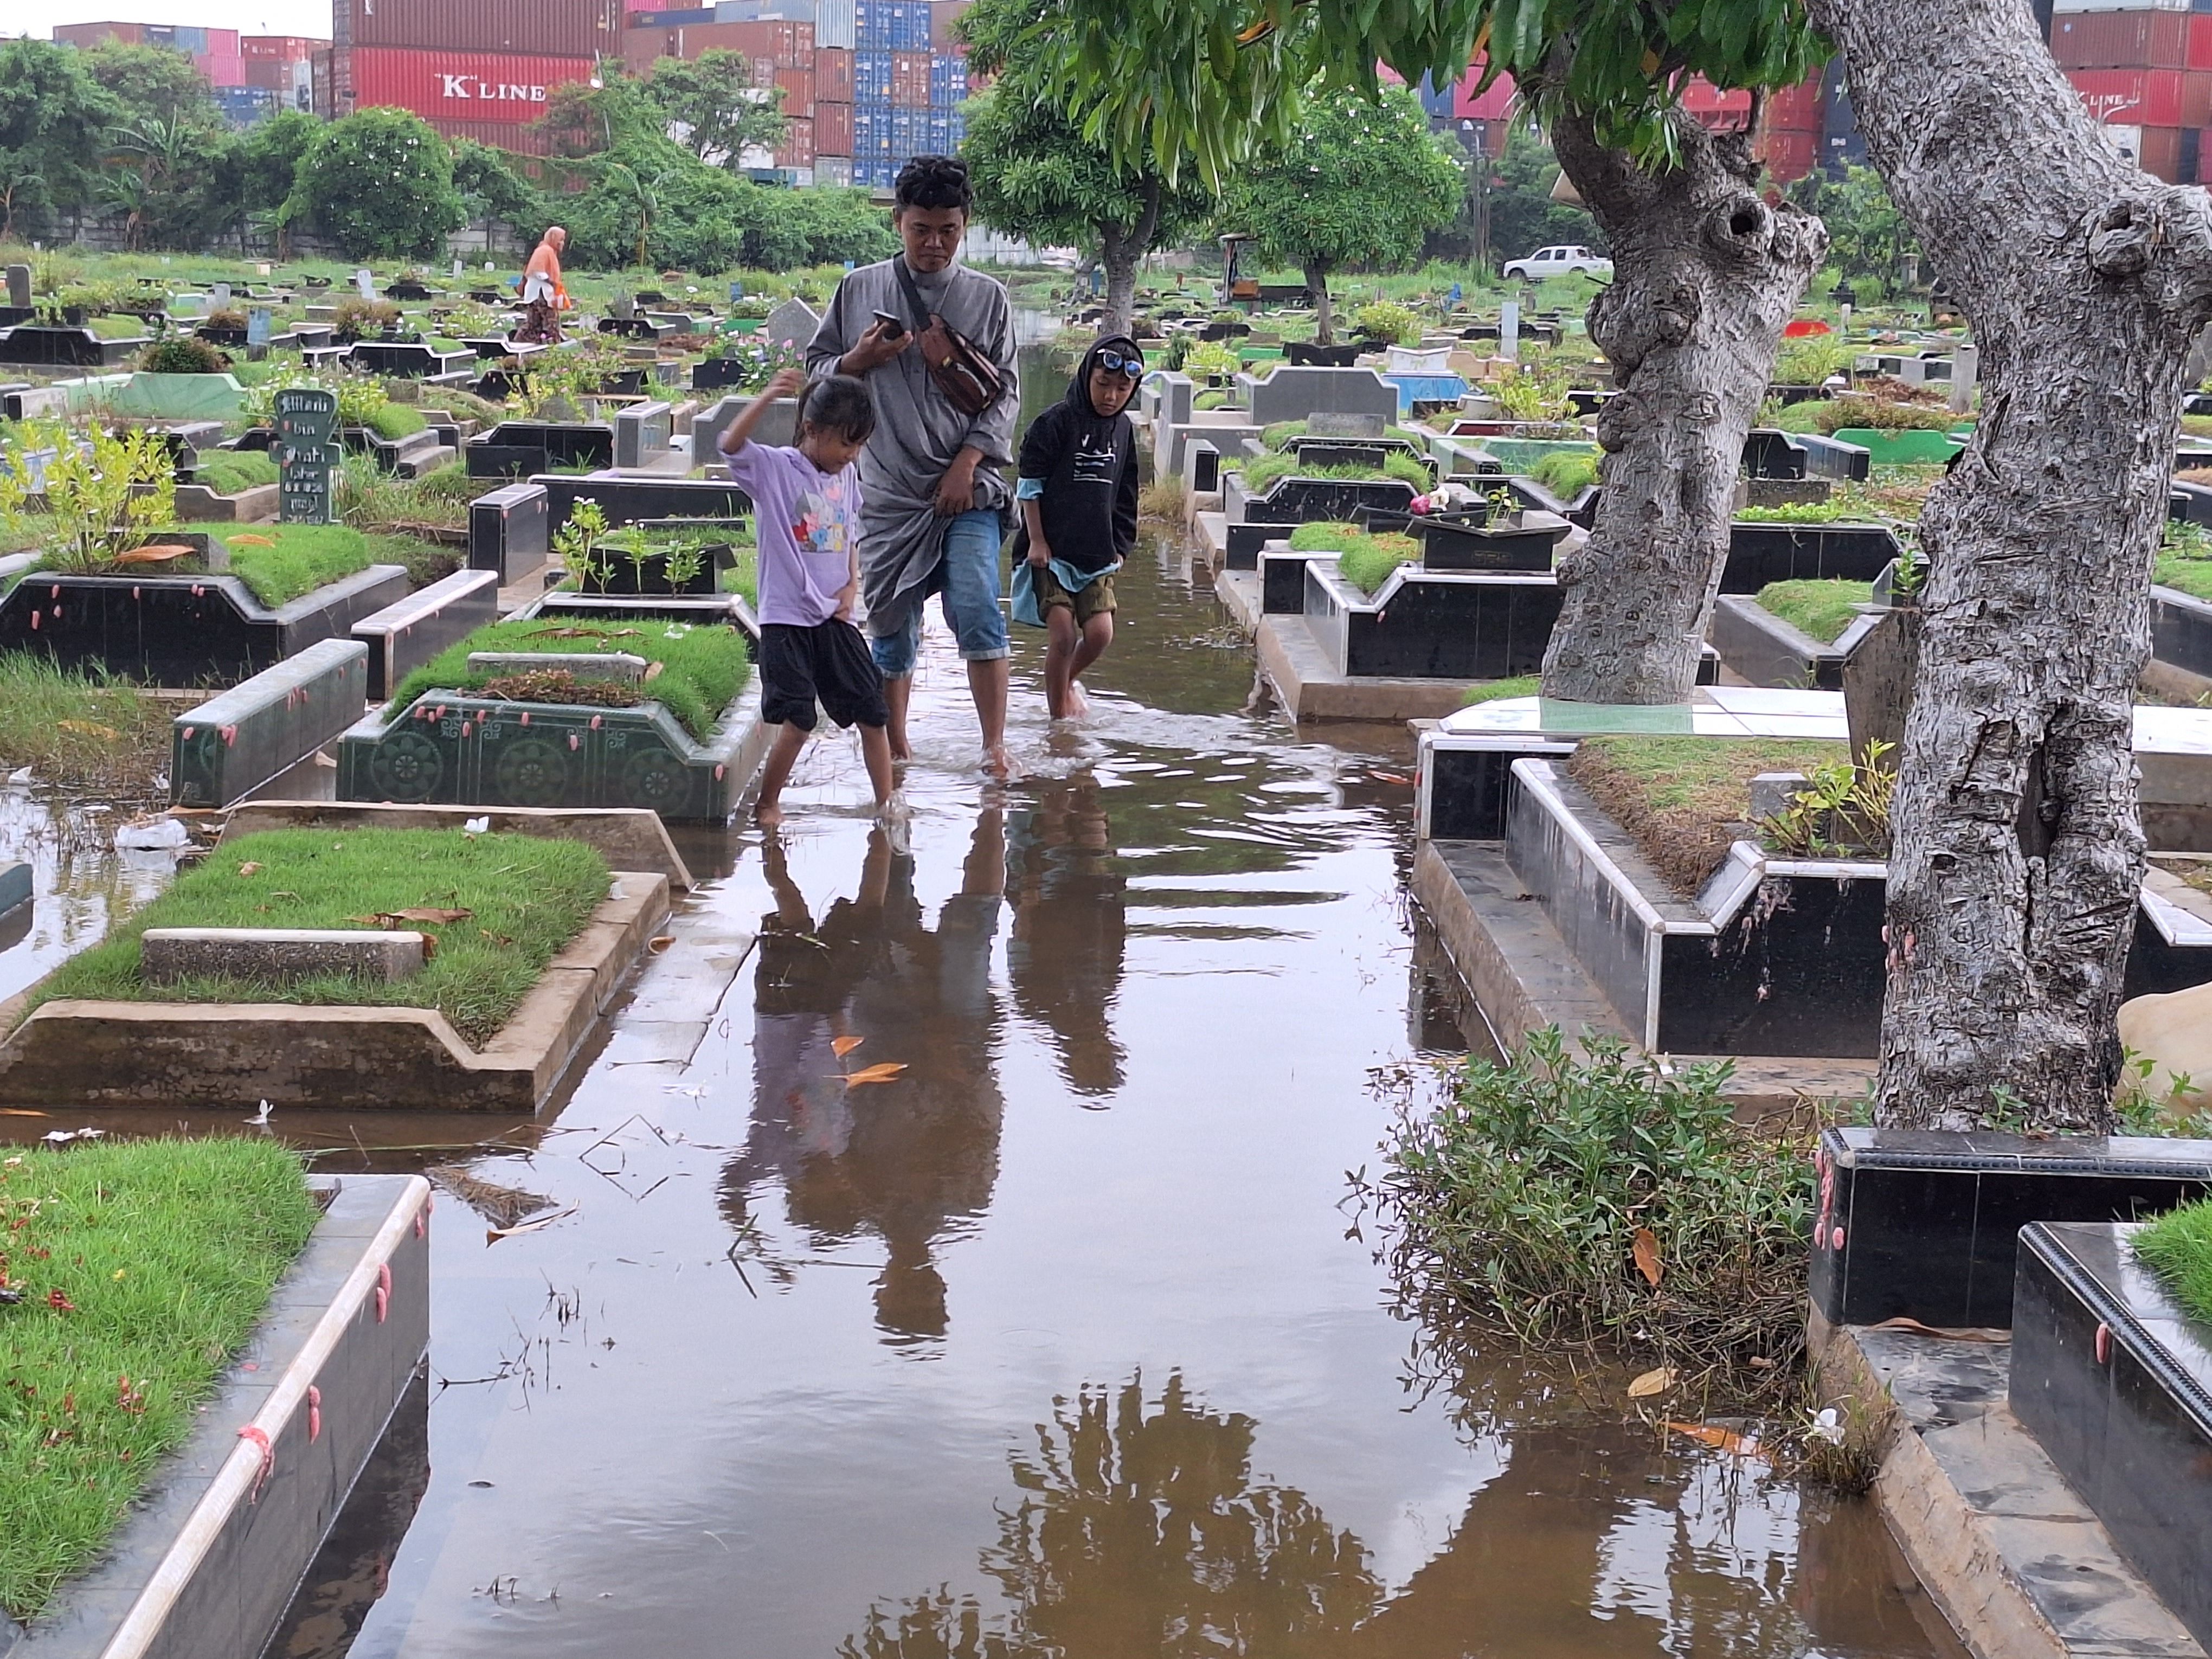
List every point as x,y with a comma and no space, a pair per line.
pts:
1119,248
2018,854
1705,274
1324,318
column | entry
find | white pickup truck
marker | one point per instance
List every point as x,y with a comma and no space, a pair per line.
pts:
1557,261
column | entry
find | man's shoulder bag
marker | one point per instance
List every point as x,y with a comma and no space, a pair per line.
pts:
969,378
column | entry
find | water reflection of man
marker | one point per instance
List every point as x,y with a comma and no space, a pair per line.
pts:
903,1158
1065,954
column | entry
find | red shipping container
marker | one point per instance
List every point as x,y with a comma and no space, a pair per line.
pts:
911,80
1788,155
1494,104
1794,109
268,73
221,43
2200,41
942,15
2145,97
226,70
482,88
2160,155
1722,111
2120,40
833,130
797,150
833,75
557,28
797,86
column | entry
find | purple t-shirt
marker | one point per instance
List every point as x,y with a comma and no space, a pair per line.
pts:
805,520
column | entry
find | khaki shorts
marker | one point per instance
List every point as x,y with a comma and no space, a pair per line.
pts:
1095,598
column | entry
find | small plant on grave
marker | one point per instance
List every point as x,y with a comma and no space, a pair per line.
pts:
224,317
1204,358
577,542
1178,352
102,492
1794,512
1533,393
1386,324
1843,809
356,318
182,355
682,563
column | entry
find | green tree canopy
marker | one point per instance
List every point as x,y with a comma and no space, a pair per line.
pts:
493,188
713,110
1524,217
53,118
1360,183
1866,235
379,183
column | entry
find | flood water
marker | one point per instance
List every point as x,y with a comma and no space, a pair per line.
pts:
1063,1341
1055,1344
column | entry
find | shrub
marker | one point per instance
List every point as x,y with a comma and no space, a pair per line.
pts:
182,355
1527,1198
356,318
102,490
1881,415
1386,324
1811,360
1565,472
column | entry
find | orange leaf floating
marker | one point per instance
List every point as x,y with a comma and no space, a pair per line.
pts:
660,942
882,1072
842,1047
1647,1256
1720,1439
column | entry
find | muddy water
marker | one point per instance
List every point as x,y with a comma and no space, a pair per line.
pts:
1056,1342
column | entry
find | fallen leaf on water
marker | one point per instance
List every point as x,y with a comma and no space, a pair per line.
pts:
502,1206
1647,1256
843,1046
882,1072
660,942
1652,1382
493,1234
159,553
91,729
1390,777
249,868
1720,1439
21,1111
1902,1323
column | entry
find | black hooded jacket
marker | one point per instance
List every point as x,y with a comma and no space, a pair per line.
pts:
1089,465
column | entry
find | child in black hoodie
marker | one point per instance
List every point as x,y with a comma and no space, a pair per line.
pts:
1078,492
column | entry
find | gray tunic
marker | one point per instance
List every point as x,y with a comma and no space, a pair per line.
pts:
918,433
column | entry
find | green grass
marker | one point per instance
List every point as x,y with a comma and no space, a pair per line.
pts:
527,896
77,729
301,558
1821,608
166,1250
232,473
703,668
1521,685
117,327
396,421
2178,1247
1565,472
1684,798
1365,560
2185,561
1261,471
1828,512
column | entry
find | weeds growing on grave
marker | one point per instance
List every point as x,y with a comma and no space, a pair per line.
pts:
702,668
1597,1201
514,901
1822,608
135,1271
79,729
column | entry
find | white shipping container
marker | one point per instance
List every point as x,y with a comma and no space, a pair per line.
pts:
836,23
2126,139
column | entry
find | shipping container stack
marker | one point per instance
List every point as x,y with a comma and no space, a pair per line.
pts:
251,75
2144,72
484,70
1793,130
282,65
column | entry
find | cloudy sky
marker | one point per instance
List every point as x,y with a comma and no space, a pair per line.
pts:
247,16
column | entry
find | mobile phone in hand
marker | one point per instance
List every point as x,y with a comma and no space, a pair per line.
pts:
893,326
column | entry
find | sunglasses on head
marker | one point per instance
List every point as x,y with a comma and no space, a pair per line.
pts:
1114,363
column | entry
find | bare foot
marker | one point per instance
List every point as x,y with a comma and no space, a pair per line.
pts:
1000,763
1077,705
768,815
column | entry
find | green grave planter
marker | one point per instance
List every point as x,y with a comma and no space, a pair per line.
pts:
230,745
1914,448
451,748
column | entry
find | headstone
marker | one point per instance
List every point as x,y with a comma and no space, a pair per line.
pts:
1337,423
1878,681
736,292
365,283
261,269
219,296
256,329
1508,330
621,308
307,453
1966,369
1296,393
19,287
456,267
792,323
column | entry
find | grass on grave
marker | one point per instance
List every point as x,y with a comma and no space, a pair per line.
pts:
1520,686
233,472
2178,1247
1364,559
525,899
78,729
281,562
702,668
1685,799
2185,561
143,1266
374,500
1822,609
1261,472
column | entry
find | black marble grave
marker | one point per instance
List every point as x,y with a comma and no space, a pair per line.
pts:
1763,553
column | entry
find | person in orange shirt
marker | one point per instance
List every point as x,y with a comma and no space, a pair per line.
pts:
543,298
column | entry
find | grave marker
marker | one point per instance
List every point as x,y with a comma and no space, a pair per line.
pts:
19,287
792,323
307,453
1508,331
366,284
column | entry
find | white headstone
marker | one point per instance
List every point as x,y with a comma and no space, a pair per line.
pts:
365,282
219,296
1966,369
1508,331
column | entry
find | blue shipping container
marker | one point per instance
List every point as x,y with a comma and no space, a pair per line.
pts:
871,25
910,26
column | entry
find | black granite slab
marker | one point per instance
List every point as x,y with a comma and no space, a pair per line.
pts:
1763,553
1924,1224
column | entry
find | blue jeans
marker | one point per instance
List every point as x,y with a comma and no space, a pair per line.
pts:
966,582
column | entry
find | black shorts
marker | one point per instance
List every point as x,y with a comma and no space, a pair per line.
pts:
828,663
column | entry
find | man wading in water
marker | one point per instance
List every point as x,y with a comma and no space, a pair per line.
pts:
932,498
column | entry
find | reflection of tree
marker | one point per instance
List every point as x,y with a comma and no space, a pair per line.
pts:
899,1159
1065,956
1139,1532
